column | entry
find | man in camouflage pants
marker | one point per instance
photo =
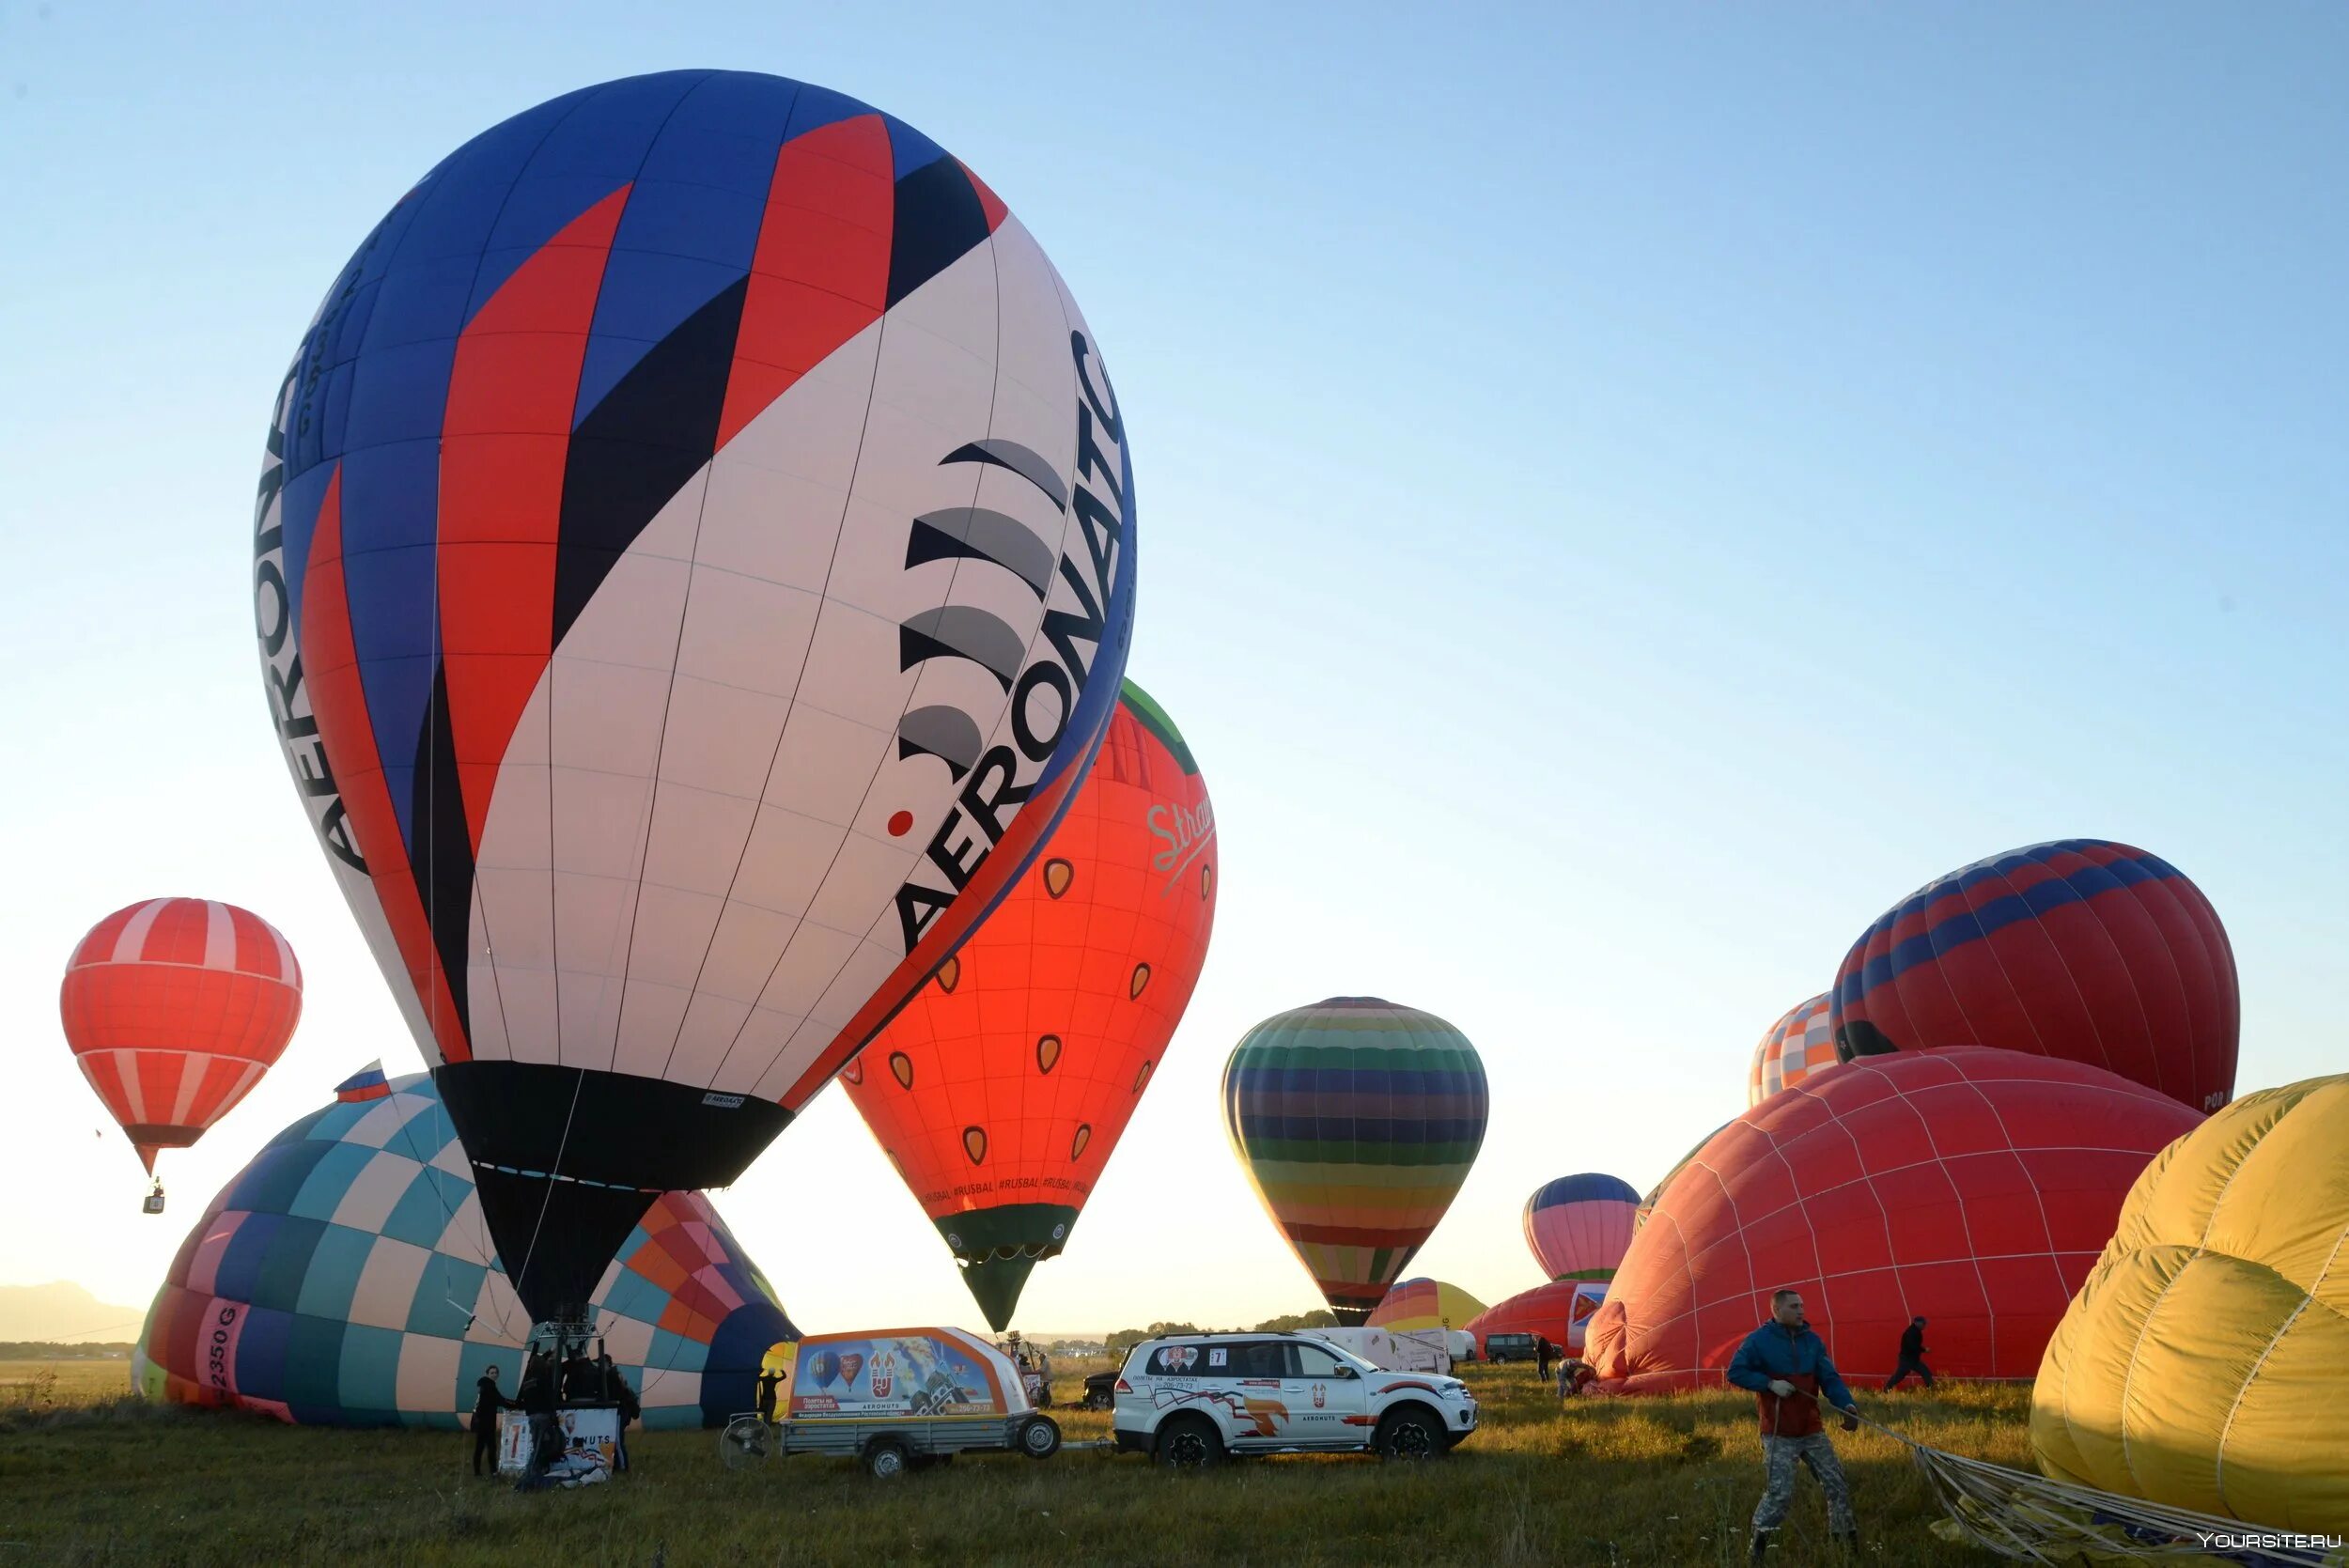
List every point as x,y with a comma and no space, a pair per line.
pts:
1787,1368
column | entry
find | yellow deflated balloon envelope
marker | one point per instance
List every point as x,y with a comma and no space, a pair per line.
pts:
2205,1364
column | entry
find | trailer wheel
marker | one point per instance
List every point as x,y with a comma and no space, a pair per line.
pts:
886,1459
1040,1438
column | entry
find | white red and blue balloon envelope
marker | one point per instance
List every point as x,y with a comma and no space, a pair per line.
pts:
2082,948
1579,1226
694,569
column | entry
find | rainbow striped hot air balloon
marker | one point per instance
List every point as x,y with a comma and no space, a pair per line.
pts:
1578,1226
1357,1120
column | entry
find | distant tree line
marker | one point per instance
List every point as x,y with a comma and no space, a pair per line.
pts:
43,1350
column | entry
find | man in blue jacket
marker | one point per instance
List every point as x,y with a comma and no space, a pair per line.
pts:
1786,1367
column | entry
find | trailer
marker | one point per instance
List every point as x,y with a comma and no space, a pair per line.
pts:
897,1400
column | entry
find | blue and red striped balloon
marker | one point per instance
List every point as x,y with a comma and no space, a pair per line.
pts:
1578,1226
2083,949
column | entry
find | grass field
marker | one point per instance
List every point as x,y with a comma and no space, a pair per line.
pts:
92,1477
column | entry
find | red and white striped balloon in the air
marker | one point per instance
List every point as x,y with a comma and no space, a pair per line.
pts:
174,1007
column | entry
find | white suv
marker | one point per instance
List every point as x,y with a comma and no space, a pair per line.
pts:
1189,1399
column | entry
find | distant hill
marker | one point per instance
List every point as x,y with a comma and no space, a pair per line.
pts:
63,1312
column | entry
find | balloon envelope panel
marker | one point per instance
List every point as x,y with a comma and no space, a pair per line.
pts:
1801,1043
1972,1187
2083,949
1357,1120
693,568
2205,1364
1414,1305
174,1009
1001,1089
344,1278
1578,1226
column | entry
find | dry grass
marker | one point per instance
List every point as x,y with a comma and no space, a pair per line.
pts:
96,1478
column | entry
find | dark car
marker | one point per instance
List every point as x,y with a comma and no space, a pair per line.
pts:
1102,1391
1509,1347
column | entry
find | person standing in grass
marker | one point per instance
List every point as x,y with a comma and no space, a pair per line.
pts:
1912,1360
486,1403
1786,1367
1541,1356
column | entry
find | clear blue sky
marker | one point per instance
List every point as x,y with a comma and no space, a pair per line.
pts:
1625,493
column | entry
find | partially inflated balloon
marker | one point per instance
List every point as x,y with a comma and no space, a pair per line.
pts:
1797,1045
344,1278
1970,1186
1356,1121
1001,1089
2205,1364
2082,948
175,1008
1560,1311
1578,1226
693,568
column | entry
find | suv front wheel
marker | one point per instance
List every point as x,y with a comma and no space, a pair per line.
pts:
1410,1434
1188,1443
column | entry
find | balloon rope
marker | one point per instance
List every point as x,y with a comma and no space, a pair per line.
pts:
2032,1519
553,1176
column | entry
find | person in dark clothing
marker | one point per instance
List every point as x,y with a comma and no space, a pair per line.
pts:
1786,1367
580,1379
1541,1356
1912,1357
538,1396
618,1392
768,1382
486,1403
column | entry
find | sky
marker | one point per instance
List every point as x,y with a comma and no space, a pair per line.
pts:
1624,494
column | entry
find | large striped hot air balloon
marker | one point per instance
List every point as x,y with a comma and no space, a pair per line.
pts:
693,566
344,1278
1001,1090
2082,948
1578,1226
1357,1120
1797,1045
174,1007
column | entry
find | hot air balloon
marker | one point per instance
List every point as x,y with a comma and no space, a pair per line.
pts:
1356,1121
1415,1306
1972,1187
1560,1311
2082,948
2205,1364
344,1278
1001,1089
693,568
1655,1194
175,1008
1799,1044
1578,1226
